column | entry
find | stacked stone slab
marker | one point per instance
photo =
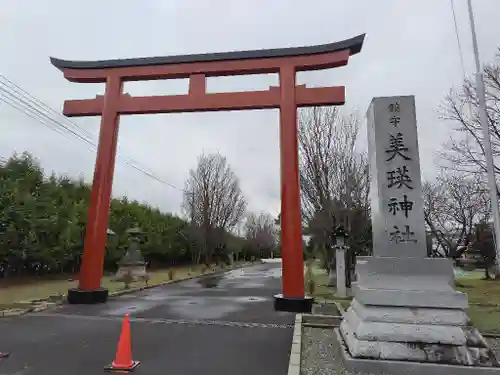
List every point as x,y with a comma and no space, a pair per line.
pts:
405,310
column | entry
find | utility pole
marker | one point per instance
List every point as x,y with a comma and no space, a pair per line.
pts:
486,141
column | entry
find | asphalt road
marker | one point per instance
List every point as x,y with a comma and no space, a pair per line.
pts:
223,325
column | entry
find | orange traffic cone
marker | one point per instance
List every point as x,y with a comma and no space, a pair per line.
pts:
123,361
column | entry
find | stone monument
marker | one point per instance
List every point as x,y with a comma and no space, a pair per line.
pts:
132,263
406,316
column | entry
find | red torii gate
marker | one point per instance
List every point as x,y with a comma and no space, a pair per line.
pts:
287,97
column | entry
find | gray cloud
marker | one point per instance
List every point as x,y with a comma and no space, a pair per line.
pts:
410,49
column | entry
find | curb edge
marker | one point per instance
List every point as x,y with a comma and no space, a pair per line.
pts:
296,349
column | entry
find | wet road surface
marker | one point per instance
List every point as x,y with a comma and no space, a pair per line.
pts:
213,325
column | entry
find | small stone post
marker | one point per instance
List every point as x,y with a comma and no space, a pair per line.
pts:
332,271
341,288
340,250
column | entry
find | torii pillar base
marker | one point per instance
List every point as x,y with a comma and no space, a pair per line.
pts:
300,305
78,296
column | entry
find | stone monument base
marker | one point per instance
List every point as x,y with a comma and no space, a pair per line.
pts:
407,312
392,367
137,271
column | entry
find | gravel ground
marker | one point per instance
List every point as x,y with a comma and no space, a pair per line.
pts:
319,353
495,346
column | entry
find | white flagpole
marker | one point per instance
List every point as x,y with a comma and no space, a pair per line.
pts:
486,140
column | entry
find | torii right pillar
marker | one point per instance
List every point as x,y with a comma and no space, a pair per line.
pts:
293,298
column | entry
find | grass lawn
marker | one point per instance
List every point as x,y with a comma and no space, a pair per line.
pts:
323,291
9,294
484,297
484,300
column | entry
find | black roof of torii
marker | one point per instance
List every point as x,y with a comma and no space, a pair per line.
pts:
353,45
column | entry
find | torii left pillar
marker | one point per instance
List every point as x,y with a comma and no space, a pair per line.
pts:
89,287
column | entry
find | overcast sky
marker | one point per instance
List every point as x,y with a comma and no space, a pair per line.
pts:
410,49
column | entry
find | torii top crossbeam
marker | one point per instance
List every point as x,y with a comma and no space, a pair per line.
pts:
197,67
287,97
243,62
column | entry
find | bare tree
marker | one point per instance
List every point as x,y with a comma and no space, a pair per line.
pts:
333,174
484,243
453,205
213,202
334,177
464,152
434,195
261,232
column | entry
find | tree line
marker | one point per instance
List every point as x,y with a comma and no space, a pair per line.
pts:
43,218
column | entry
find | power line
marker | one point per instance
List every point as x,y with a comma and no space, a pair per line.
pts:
459,44
22,104
458,38
21,100
28,104
14,104
38,102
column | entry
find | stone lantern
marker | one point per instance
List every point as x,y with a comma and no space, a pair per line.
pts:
132,265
